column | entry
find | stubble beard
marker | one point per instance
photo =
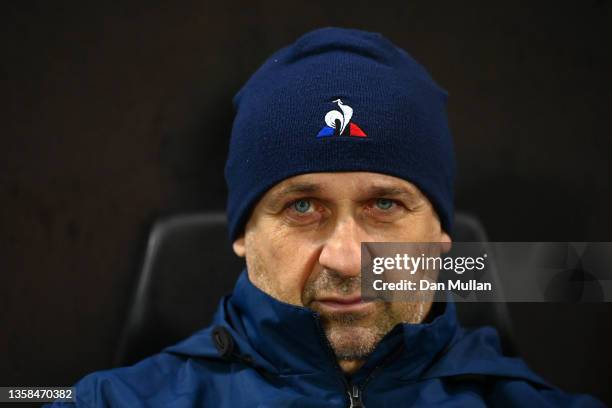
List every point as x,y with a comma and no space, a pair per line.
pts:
352,336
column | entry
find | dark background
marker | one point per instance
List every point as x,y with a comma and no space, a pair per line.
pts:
114,115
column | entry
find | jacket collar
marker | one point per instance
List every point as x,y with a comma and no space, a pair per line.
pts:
289,339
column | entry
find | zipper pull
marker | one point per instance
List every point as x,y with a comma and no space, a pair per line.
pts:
355,397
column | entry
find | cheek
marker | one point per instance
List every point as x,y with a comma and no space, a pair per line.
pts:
408,312
419,227
280,264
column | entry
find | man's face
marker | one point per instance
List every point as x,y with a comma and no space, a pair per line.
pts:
302,246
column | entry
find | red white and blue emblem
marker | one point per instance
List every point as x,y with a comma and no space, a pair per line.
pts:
339,122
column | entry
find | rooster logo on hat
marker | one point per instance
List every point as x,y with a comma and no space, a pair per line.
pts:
339,122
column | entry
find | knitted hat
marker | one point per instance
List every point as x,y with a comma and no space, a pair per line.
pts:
339,100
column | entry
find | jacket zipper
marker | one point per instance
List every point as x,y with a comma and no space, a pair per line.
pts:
355,397
355,393
374,372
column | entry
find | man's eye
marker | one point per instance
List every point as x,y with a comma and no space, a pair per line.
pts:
302,206
384,203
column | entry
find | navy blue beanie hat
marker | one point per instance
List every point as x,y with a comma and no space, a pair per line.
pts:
339,100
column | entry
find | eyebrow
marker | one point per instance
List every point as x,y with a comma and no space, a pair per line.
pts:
387,191
302,188
372,191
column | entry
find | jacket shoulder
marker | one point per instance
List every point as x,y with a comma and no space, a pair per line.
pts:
475,359
159,380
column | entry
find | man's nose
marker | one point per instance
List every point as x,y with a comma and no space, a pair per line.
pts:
342,250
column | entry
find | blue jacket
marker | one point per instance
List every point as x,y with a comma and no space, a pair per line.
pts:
260,352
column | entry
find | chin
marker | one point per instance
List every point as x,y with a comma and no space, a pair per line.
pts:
352,342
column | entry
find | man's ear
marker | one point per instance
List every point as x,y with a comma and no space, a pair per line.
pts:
238,246
446,241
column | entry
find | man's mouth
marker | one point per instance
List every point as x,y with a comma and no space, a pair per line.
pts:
342,304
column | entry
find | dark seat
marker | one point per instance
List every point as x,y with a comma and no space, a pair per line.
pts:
189,266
